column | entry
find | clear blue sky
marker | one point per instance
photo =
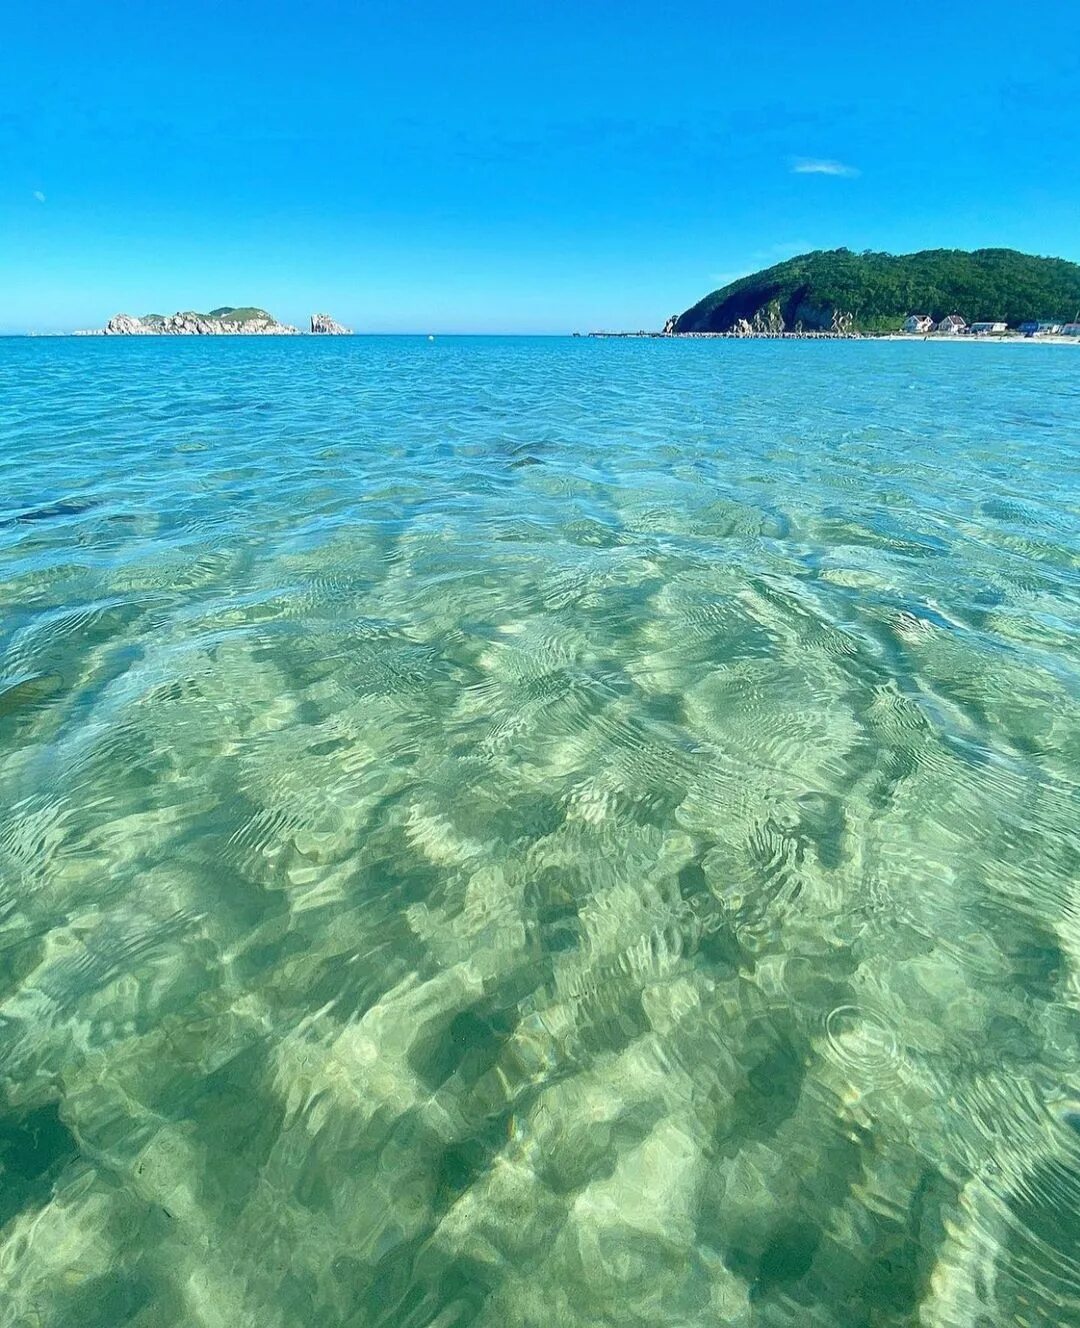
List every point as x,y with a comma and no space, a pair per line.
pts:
512,166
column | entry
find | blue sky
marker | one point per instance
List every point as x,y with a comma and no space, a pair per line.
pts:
512,166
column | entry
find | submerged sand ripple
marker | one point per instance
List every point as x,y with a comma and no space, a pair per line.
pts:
634,888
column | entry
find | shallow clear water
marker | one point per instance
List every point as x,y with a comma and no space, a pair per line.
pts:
539,833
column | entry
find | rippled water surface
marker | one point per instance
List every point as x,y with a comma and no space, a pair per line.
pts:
539,833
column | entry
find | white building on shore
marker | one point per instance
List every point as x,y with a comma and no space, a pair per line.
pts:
952,325
988,329
918,323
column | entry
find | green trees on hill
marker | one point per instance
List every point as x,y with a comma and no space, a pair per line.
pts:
879,290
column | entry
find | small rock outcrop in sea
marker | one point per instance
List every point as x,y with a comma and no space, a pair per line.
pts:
323,324
669,326
221,322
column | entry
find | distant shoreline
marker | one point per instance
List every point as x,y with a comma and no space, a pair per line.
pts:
1050,340
602,336
1016,338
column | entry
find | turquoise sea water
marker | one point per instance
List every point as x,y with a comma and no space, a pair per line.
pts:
539,833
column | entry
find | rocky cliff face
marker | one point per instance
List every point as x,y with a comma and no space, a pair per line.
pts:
124,325
192,324
325,325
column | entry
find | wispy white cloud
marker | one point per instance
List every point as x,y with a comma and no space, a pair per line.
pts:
819,166
39,196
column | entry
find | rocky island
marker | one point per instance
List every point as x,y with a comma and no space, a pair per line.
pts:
226,321
247,321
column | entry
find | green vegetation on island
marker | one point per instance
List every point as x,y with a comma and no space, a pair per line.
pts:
875,292
228,314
